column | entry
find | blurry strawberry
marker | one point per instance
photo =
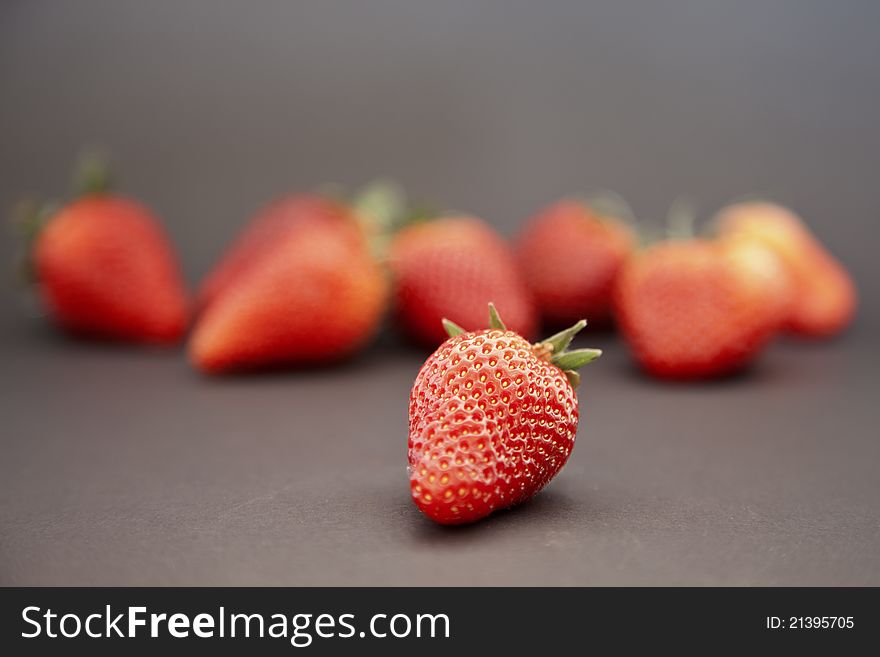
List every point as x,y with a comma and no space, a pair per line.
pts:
492,419
106,269
302,288
825,296
570,255
762,268
697,308
260,235
452,267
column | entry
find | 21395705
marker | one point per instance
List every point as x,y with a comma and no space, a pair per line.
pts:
810,622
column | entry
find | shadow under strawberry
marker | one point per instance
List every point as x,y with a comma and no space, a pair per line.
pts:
554,506
49,336
763,372
359,362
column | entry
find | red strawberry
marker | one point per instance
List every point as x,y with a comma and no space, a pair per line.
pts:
106,269
570,255
310,294
453,266
825,295
260,235
492,419
697,308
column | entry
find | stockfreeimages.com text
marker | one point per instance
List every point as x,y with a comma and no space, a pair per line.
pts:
300,629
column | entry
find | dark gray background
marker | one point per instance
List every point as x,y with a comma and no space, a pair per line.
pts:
121,466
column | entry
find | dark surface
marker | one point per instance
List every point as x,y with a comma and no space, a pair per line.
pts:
120,466
126,468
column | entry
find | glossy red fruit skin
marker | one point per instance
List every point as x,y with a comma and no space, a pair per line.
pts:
106,269
315,296
261,233
570,258
490,424
689,310
452,267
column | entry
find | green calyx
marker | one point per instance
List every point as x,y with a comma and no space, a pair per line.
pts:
379,205
554,349
452,329
29,217
607,204
495,319
92,174
383,210
681,220
383,207
569,361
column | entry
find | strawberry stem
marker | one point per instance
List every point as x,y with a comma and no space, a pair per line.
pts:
561,340
92,174
380,205
572,360
494,319
381,208
681,219
452,329
608,204
29,217
555,349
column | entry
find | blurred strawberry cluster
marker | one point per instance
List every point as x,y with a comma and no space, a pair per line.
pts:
311,277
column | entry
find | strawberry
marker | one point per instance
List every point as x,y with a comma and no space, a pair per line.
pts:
698,308
261,233
492,419
570,255
825,295
105,268
301,288
453,266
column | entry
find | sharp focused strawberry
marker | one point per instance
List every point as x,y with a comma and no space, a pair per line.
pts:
825,296
492,419
452,267
308,293
570,256
106,269
698,309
